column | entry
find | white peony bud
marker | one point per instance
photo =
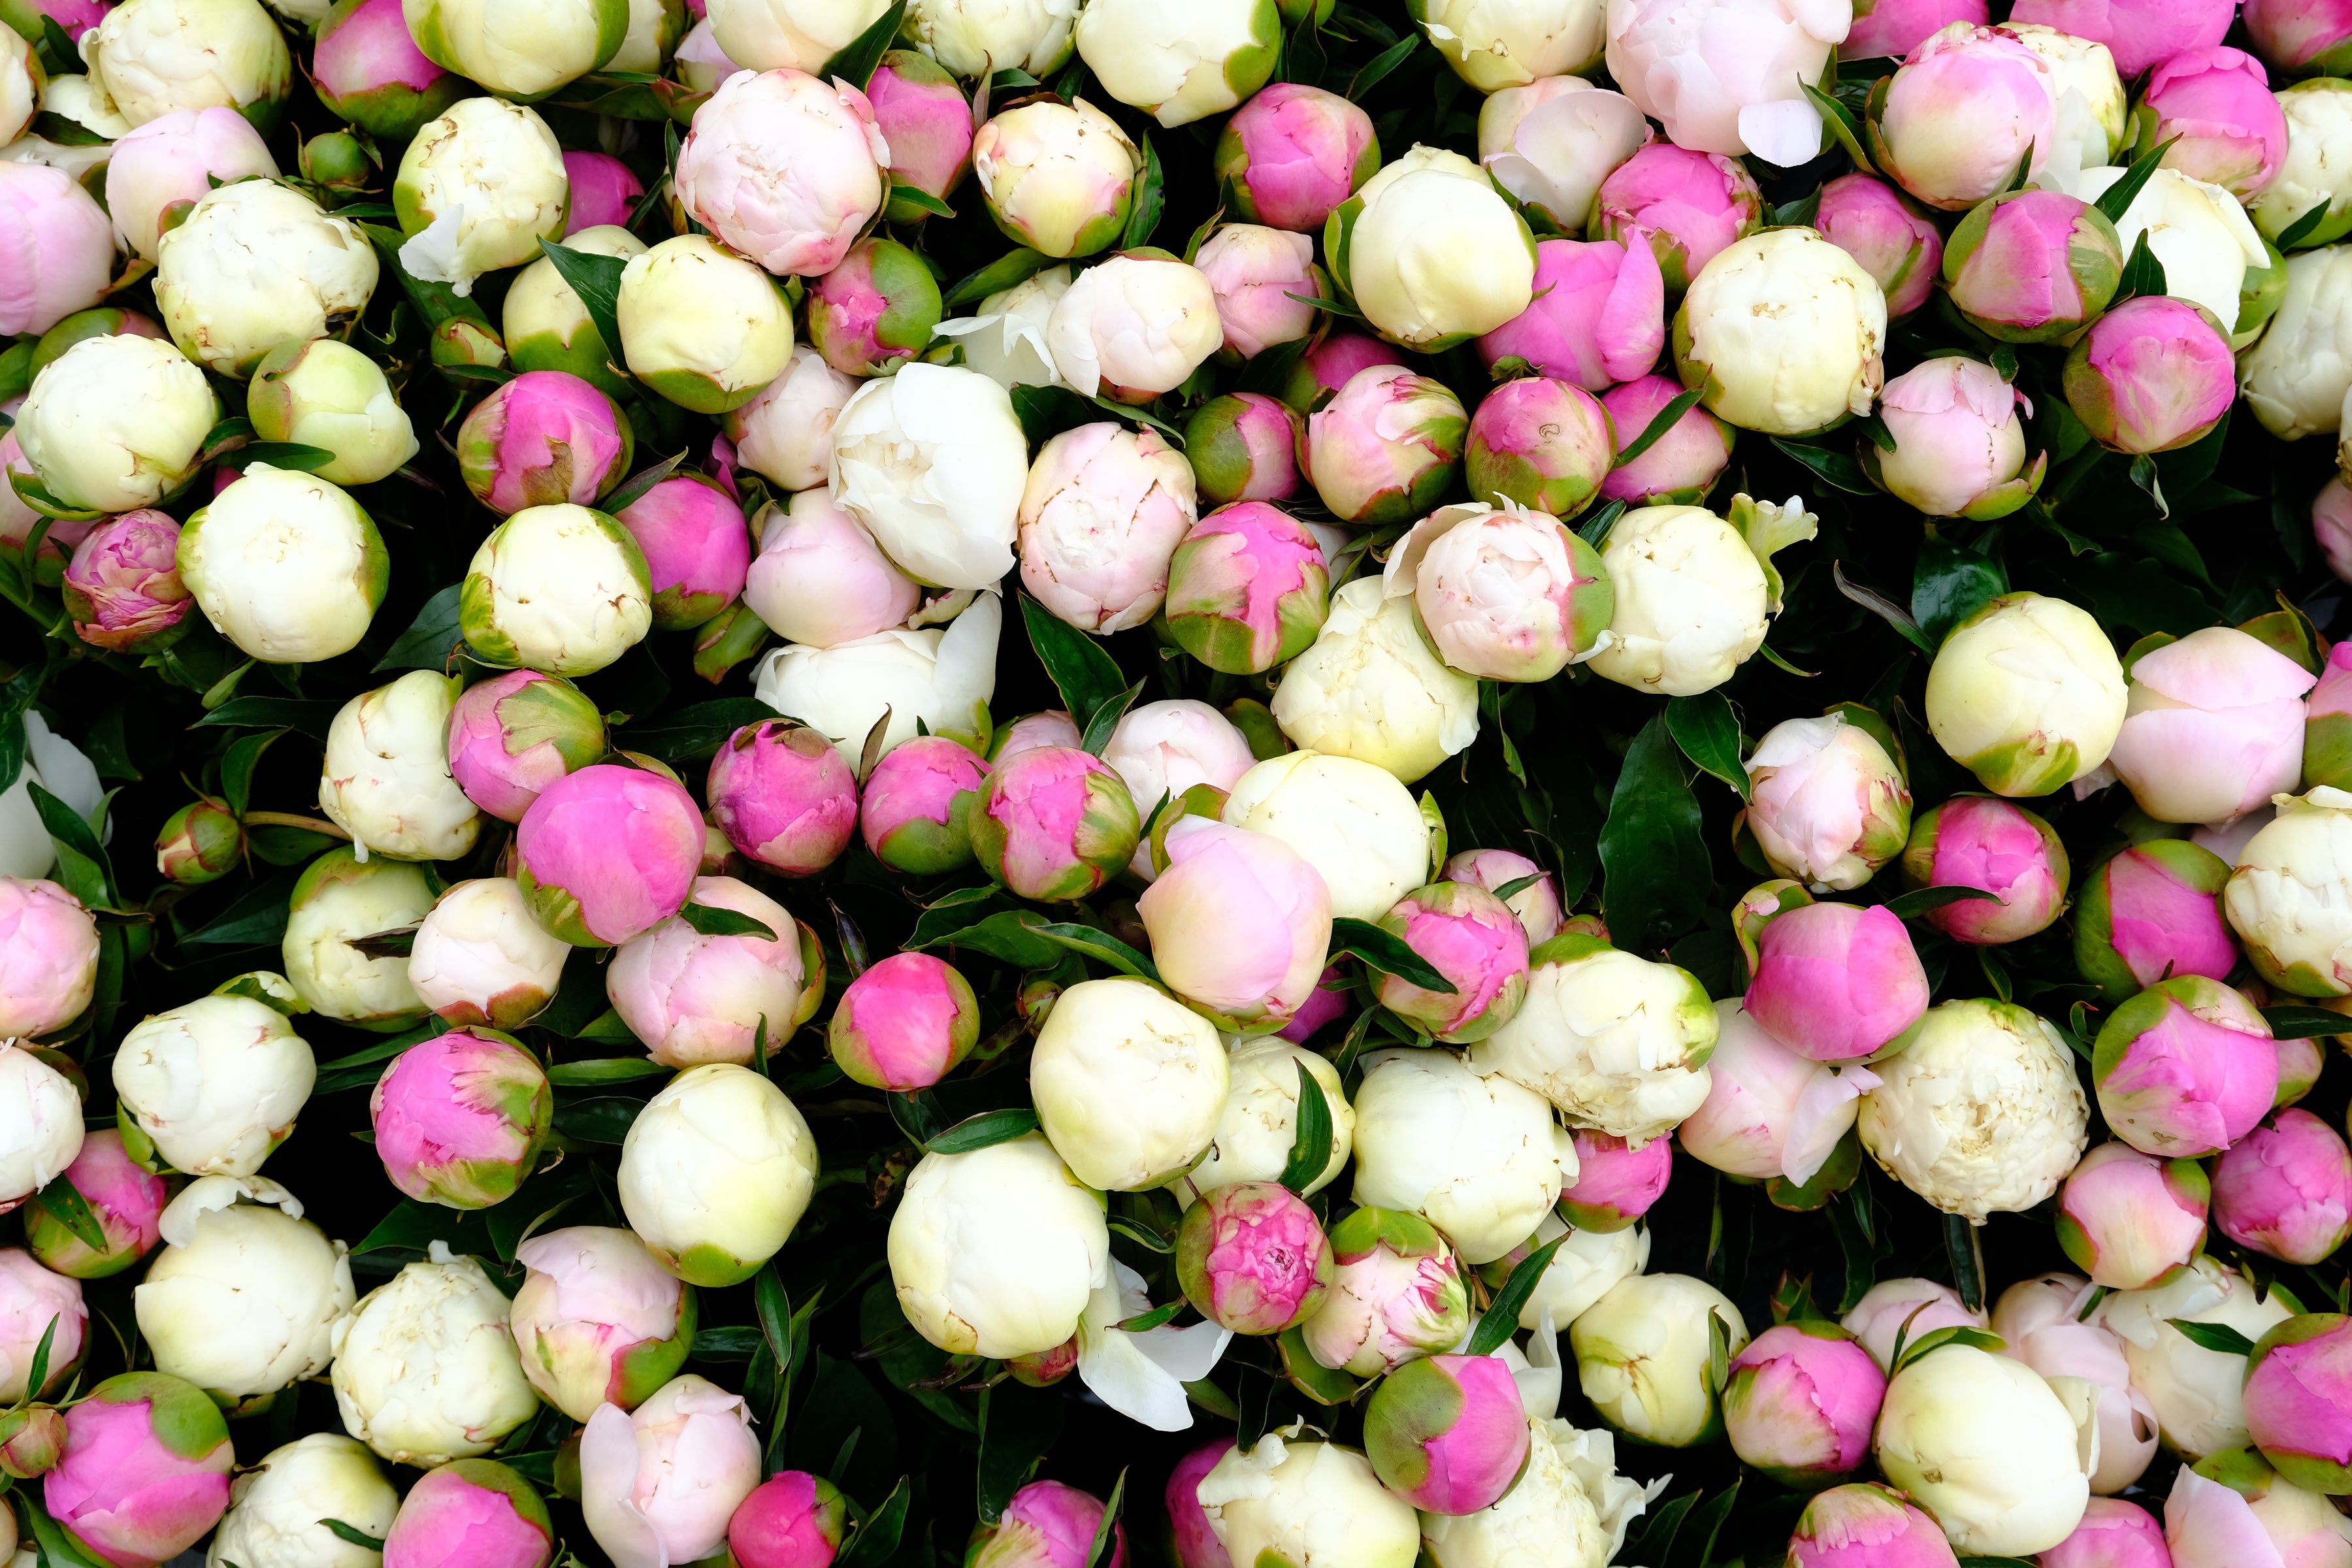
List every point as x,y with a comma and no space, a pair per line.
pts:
701,325
328,395
40,1123
386,777
941,678
115,423
1433,253
715,1171
1134,327
1479,1158
213,1085
277,1509
479,958
797,35
479,189
339,900
1351,820
2296,376
244,1297
1496,46
933,461
1587,1266
785,433
256,265
2200,1408
286,565
520,51
1645,1355
149,58
2028,694
1283,1500
1784,332
1694,591
1180,63
2197,230
2318,141
996,1252
1260,1121
1129,1082
973,37
1370,687
425,1369
562,589
1985,1445
2285,900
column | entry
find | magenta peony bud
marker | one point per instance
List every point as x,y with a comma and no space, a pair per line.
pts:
59,245
1867,1525
1983,842
2129,1220
1447,1433
781,793
1385,448
2151,374
2139,33
2299,1399
605,192
1503,595
122,587
473,1513
32,1299
695,998
2283,1189
541,439
1264,279
1292,153
697,551
201,842
1801,1401
2185,1068
2231,132
1105,508
1834,981
1598,318
1890,30
1053,823
1536,904
75,16
2214,727
2032,266
1960,114
1682,465
460,1119
1959,446
1328,1002
1472,938
1540,444
124,1197
1046,1525
1197,1545
1615,1183
48,957
1240,925
514,734
2328,722
1242,446
598,1320
820,578
369,71
145,1471
1247,589
2301,37
924,116
2114,1534
792,1520
874,309
916,813
1253,1258
2151,912
1331,365
1869,221
1688,204
904,1023
608,853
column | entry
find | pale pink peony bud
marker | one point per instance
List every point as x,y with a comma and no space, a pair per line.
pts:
820,578
904,1023
514,734
2139,33
1682,465
1398,1293
1769,1112
658,1483
2129,1220
2185,1068
1331,364
56,248
473,1513
460,1119
1053,823
1044,1369
1105,508
1264,279
31,1300
2299,1399
368,70
1536,904
2151,374
2231,132
605,192
1046,1525
1598,317
1253,1258
1239,924
598,1320
695,999
541,439
1167,747
1242,446
1197,1545
125,1198
697,551
1890,30
1292,153
1828,804
1470,937
2114,1534
1503,596
1867,1525
1385,448
2300,38
1835,982
782,795
1247,589
916,809
1540,444
2299,1065
1723,76
608,853
1134,326
1615,1183
1960,114
785,433
792,1520
122,586
2032,266
1447,1433
926,122
1552,141
1801,1402
2151,912
1051,728
874,310
2283,1189
145,1469
479,958
1687,204
1959,446
1869,221
1906,1309
784,168
48,957
2214,727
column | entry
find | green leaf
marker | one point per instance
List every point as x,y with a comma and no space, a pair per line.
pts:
1709,733
1949,583
1106,720
1919,901
1018,1426
1840,123
903,195
1960,1248
2298,231
64,1202
1959,1334
58,1547
284,455
17,697
2299,1023
1310,1146
431,639
1014,267
604,1069
353,1534
2116,199
81,859
689,733
855,61
1388,952
713,922
1149,197
877,1539
634,491
597,1121
1006,932
1660,423
413,1226
1107,1527
2142,273
1099,945
1655,875
1596,528
37,1376
1885,608
982,1131
1501,1318
1142,1234
1085,675
597,280
1836,470
238,768
774,1305
1381,65
272,712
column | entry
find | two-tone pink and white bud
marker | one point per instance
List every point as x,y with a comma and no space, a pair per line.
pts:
1252,1257
1447,1433
1507,594
2185,1068
1836,982
2214,727
2132,1221
1105,508
541,439
460,1119
1240,925
915,812
1541,444
1247,589
781,793
1828,802
598,1320
784,168
1959,446
514,734
1801,1402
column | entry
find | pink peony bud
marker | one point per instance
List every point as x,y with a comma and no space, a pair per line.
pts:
161,169
1983,842
1253,1258
1330,365
1890,30
659,1483
1385,448
1870,222
926,122
1536,904
2299,1065
1053,823
2185,1068
1258,275
2129,1220
2152,374
124,1197
460,1119
122,587
2214,727
1197,1545
541,439
1447,1433
1044,1369
1615,1183
514,734
1504,596
1828,805
1959,447
1688,204
473,1513
820,578
1330,1002
781,793
201,842
1046,1525
1239,925
1682,465
1801,1401
1051,728
369,71
1867,1525
916,813
697,551
2301,37
608,853
145,1471
598,1320
1242,446
48,957
1472,938
1540,444
1292,153
605,192
2328,722
904,1023
32,1299
1835,982
2032,266
1105,508
2231,132
695,999
1906,1309
2152,912
2283,1189
785,169
2299,1399
1960,114
1769,1112
58,245
2114,1534
874,310
2139,33
792,1520
1247,589
16,520
1397,1294
75,16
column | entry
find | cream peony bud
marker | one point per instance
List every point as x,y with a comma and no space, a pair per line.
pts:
479,189
338,900
2026,694
1644,1354
1351,820
149,58
255,265
933,462
213,1085
386,779
116,422
425,1369
715,1171
1129,1084
1180,63
1431,252
1479,1158
996,1252
562,589
286,565
520,52
1288,1500
1370,688
1694,591
1783,332
278,1509
1987,1446
1134,327
701,326
479,958
244,1297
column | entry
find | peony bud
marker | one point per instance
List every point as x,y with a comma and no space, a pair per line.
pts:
1828,804
161,169
608,853
792,1520
1433,252
479,958
1806,366
474,1511
514,734
821,579
368,70
34,1303
2032,266
1984,1442
1470,938
89,450
995,1252
915,812
1539,444
1722,77
524,55
49,958
694,998
1057,177
1051,823
2214,728
658,1484
32,1440
1682,465
1046,1525
1239,924
1129,1085
1397,1293
1263,281
1686,206
1196,1542
899,438
2283,1189
246,1298
255,265
1981,1113
340,899
1801,1402
560,587
460,1119
541,439
2285,917
1552,141
274,1521
479,189
1479,1157
122,586
1370,688
145,1471
2139,34
201,842
1250,1256
895,680
1293,152
874,309
2020,734
2129,1220
2114,1534
783,797
1641,1357
701,326
1536,904
2152,374
1134,327
1447,1433
769,35
386,779
1867,220
1615,1183
2297,1398
1243,447
1959,447
1977,841
603,189
248,1070
2185,1068
1330,365
2152,912
904,1023
124,1199
288,567
324,393
1351,821
1867,1525
715,1172
1179,71
2194,1392
1965,109
1260,1119
1105,508
425,1369
1769,1112
2215,106
926,122
1247,589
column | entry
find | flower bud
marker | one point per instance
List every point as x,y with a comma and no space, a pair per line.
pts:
479,189
546,326
783,797
2283,1189
1057,177
1196,1542
1682,465
2151,374
926,120
1723,77
2152,912
285,566
1129,1084
995,1252
1867,220
792,1520
1687,206
2284,917
1961,113
1397,1293
1801,1402
1981,1113
597,1318
40,1123
1828,806
1134,327
731,170
915,812
1239,924
1867,1525
1977,841
48,957
2327,724
2020,734
145,1472
387,778
1806,366
1051,823
1472,938
124,1199
1641,1357
541,439
321,393
1769,1112
2194,1392
1431,252
1370,688
701,326
164,167
476,1512
2139,34
1252,1258
771,35
460,1119
245,1298
255,265
2296,1399
199,843
1179,70
32,1440
122,586
904,1023
2233,1506
901,433
77,429
2215,106
212,1086
2114,1534
559,588
715,1172
1540,444
1615,1183
2129,1220
1551,142
1105,508
514,734
1292,153
2032,266
150,59
425,1369
57,239
274,1521
1447,1433
1536,904
896,680
1478,1157
1046,1525
2214,728
340,899
1247,589
32,1299
1243,447
1959,446
694,998
1330,365
1984,1442
607,853
658,1484
2286,383
1260,1119
874,309
479,958
2185,1068
1351,821
1263,280
821,579
368,70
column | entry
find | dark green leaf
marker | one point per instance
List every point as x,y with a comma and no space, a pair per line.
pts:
856,60
877,1539
1106,720
1107,1527
1004,932
989,1127
1935,1340
1837,470
1149,197
398,942
1960,1248
2301,229
774,1305
1381,65
1660,423
1949,583
2142,273
384,1050
2116,199
237,767
690,733
2303,1023
2219,1337
729,1342
1086,675
1018,1426
713,922
1709,733
37,1375
1885,608
1014,267
272,712
1160,1317
284,455
1595,529
1502,1317
65,1204
604,1069
597,1121
903,195
15,697
597,280
353,1534
1388,952
76,841
1099,945
413,1226
1841,125
1655,873
1142,1234
634,491
1799,214
1310,1146
1919,901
